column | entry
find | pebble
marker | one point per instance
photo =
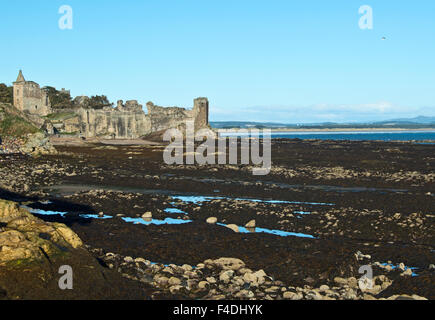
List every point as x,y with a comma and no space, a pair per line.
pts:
147,215
251,224
233,227
212,220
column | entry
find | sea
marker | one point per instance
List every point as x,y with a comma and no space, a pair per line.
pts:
405,135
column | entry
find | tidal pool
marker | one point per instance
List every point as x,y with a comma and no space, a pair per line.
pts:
155,221
174,210
270,231
44,212
200,199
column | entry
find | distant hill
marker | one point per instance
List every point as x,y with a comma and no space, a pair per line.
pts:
406,123
418,120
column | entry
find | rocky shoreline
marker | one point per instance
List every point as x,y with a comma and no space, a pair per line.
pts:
313,222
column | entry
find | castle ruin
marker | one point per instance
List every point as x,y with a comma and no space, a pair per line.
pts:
30,98
125,121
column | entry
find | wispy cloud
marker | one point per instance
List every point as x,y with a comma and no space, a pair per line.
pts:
378,111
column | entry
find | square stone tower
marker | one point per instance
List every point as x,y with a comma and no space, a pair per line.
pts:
30,98
200,112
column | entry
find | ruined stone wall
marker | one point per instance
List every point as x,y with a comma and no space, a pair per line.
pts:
125,121
164,118
200,112
113,124
129,121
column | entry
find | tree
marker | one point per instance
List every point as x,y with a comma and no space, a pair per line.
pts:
6,94
59,99
99,102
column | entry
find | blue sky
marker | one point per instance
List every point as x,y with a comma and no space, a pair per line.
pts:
283,61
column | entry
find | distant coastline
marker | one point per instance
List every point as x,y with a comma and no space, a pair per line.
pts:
338,129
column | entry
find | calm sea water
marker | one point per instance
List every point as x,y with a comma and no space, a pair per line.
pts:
357,135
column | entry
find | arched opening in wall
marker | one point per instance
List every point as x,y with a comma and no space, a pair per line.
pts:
36,107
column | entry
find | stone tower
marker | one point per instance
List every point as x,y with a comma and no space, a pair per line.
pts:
30,98
200,112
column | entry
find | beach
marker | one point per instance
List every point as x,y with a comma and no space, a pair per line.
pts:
326,209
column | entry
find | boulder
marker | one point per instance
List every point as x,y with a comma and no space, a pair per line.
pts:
38,144
228,263
26,237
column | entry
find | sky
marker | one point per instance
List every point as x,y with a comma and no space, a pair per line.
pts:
276,60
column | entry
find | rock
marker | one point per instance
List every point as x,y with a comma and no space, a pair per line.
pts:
352,282
26,237
245,294
128,259
313,295
323,288
38,144
242,271
233,227
350,295
226,276
175,288
191,284
142,260
168,270
211,280
186,267
406,297
173,281
292,296
250,224
360,256
147,215
161,280
376,289
212,220
255,278
407,272
228,263
203,285
340,280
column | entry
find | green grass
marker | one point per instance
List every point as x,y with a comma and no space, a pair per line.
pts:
60,116
16,126
68,133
